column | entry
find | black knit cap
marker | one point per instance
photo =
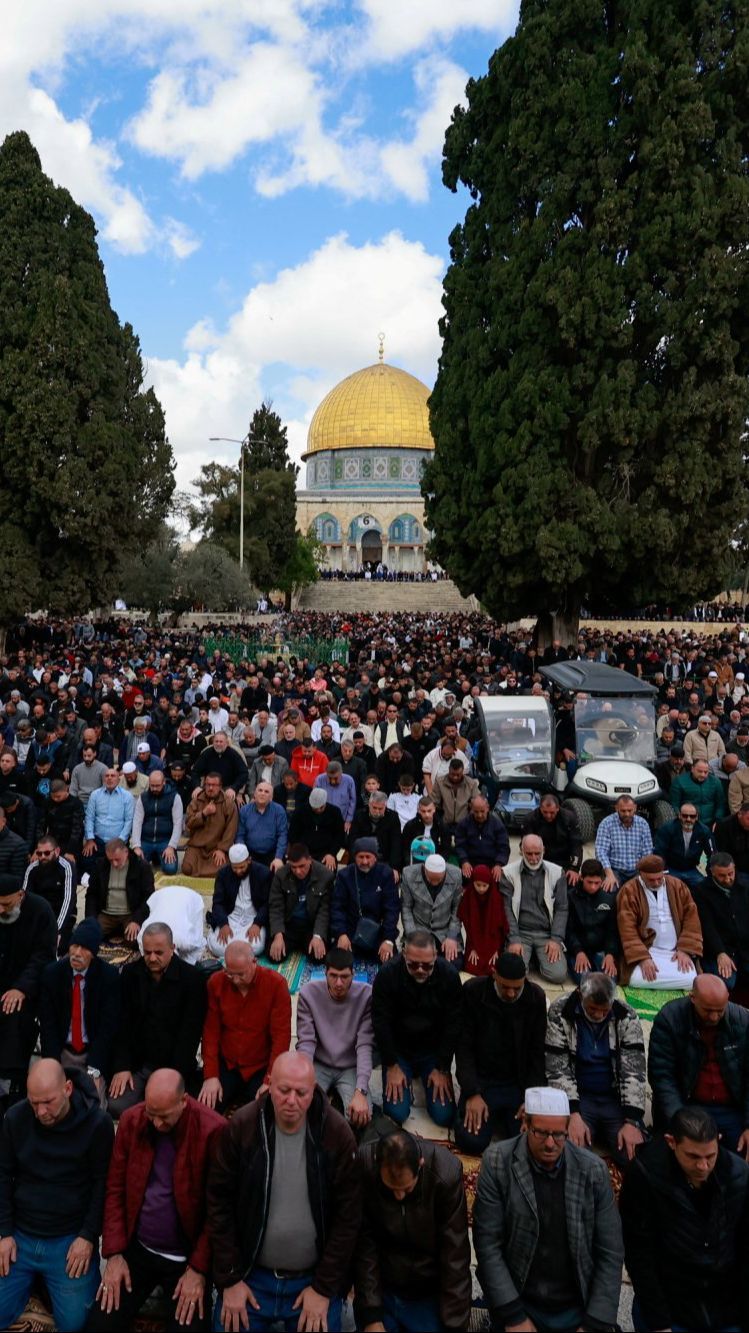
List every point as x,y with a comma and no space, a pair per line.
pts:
510,966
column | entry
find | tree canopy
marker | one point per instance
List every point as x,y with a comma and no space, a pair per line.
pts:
589,412
168,577
85,466
275,553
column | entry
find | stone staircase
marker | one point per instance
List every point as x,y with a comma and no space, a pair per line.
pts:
383,597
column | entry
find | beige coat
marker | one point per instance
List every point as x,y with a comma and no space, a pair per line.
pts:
707,747
738,789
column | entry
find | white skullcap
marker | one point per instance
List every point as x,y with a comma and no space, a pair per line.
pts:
546,1101
144,748
436,864
739,675
238,853
129,767
318,797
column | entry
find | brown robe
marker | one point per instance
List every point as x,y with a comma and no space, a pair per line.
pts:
207,833
635,933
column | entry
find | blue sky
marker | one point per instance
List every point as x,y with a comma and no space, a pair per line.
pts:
265,177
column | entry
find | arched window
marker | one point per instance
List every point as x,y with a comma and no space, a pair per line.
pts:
405,529
327,528
362,524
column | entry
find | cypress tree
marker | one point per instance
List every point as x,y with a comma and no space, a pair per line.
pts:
85,467
591,403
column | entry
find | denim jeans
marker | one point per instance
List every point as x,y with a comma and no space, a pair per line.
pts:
596,960
276,1296
442,1115
711,965
553,1319
71,1297
152,849
417,1314
730,1123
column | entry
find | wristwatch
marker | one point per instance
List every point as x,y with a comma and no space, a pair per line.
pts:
93,1072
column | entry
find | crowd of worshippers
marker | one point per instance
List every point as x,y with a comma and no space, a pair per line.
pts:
353,829
297,1204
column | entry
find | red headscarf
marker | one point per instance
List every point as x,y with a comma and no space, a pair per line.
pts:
483,915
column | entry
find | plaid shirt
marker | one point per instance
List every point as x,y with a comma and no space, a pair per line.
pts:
620,847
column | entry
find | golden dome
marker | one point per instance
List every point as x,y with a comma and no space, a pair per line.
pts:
378,406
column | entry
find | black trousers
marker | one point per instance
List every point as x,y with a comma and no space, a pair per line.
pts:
148,1271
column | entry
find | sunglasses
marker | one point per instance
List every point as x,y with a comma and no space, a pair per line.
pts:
419,967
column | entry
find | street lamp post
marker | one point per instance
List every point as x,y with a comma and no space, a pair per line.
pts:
248,439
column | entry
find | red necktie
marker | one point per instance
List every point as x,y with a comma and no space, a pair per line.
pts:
76,1017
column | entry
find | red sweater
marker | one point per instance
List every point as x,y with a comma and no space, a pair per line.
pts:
248,1030
130,1167
308,766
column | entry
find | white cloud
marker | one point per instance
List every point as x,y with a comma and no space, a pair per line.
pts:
206,118
271,78
320,320
398,30
441,86
181,241
72,157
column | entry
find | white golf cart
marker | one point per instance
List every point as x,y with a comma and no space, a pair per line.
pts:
515,762
614,717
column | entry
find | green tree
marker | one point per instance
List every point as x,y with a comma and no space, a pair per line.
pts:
270,534
148,578
591,403
303,566
85,467
216,513
165,577
207,578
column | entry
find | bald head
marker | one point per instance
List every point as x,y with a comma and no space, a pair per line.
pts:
45,1074
240,965
292,1085
48,1091
710,999
165,1099
237,953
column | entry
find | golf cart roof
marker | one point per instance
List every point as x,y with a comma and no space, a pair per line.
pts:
596,678
495,705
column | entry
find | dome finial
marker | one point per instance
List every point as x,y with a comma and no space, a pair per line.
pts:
381,349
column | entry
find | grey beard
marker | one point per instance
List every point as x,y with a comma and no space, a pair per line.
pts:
528,865
8,918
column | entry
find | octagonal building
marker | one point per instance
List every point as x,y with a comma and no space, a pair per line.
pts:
366,446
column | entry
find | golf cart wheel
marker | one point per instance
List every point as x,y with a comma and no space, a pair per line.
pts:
663,813
586,821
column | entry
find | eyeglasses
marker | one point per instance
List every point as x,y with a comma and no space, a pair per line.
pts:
419,967
688,819
45,853
558,1135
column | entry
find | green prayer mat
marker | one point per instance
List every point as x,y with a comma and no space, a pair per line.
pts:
292,969
648,1003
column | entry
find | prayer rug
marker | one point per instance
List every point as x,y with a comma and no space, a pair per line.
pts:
291,969
36,1318
471,1167
202,886
648,1003
118,953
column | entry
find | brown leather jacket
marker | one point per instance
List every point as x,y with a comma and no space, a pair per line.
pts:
417,1246
239,1184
